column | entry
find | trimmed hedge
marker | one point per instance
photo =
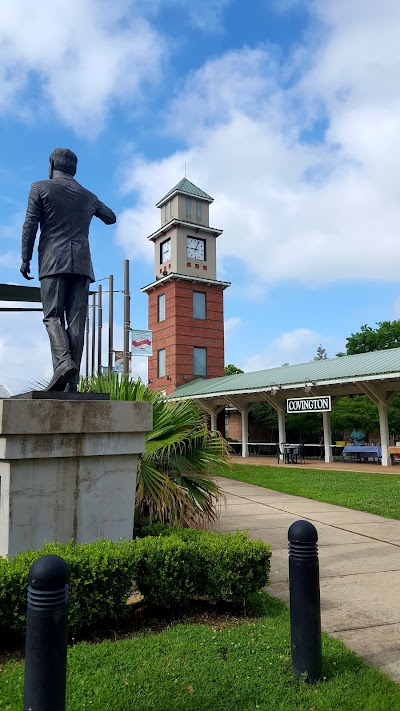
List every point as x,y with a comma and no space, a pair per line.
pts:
169,568
228,566
100,580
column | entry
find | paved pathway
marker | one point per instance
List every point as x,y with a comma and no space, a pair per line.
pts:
359,556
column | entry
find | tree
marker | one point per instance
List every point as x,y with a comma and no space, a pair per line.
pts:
348,411
265,413
232,369
386,335
321,353
303,426
173,483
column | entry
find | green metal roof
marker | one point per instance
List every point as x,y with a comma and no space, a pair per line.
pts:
315,372
187,188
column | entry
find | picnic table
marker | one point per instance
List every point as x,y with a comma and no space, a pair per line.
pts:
363,451
394,454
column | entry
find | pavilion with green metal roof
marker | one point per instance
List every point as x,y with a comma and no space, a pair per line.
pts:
375,374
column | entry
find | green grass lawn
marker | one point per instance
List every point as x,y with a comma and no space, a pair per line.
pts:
196,668
375,493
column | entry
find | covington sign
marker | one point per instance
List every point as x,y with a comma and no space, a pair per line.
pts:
308,404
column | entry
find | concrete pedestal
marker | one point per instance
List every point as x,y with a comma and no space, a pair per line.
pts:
68,470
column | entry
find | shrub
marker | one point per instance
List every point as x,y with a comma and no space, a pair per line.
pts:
166,571
227,566
100,579
168,568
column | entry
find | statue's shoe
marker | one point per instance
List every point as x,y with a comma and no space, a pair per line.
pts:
62,375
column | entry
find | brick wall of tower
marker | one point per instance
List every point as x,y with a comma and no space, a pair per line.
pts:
179,333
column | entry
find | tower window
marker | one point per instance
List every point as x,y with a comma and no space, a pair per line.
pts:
161,307
198,210
188,207
161,363
199,361
199,304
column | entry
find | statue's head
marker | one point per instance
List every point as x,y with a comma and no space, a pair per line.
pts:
62,159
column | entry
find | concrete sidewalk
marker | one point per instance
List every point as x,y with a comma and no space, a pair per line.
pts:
359,555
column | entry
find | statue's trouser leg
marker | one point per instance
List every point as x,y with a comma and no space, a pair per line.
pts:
76,306
53,290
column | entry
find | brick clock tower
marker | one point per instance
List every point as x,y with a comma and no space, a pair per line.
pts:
186,311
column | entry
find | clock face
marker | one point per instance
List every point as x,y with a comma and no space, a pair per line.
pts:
196,248
165,251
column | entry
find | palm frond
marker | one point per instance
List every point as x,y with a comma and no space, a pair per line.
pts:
174,484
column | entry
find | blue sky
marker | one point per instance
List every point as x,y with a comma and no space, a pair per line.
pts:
285,111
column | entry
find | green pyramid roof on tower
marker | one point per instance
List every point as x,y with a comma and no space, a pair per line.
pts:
185,187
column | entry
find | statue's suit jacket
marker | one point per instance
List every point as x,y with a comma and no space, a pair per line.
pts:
64,210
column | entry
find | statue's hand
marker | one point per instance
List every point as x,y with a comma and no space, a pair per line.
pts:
25,270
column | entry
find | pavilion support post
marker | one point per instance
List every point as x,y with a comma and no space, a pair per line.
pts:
326,421
244,408
379,397
384,428
213,412
281,426
279,404
245,433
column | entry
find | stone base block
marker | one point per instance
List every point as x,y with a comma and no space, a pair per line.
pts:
68,470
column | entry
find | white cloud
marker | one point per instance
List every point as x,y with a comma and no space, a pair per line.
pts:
238,81
150,184
24,350
231,324
314,210
84,55
10,260
206,16
297,346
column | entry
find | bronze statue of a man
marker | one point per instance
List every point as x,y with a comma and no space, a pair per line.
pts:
64,210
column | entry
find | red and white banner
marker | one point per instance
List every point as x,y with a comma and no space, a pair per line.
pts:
142,343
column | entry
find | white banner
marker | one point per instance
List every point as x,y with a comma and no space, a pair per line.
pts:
118,362
142,343
308,404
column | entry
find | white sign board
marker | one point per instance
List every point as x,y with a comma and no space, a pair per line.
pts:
308,404
142,343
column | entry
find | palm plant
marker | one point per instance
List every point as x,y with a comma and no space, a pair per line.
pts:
174,484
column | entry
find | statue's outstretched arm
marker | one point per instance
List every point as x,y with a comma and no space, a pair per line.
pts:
105,214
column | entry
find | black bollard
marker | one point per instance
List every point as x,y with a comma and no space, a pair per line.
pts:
46,635
305,610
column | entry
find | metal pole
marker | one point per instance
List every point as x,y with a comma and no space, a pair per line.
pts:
127,317
305,609
110,322
46,635
99,328
87,344
93,333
